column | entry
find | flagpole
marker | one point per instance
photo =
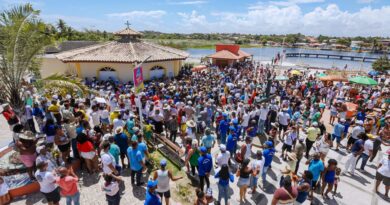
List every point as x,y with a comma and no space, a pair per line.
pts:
138,99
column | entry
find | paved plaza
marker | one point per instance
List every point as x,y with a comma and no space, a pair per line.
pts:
356,190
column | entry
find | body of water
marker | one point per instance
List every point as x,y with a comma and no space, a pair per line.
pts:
267,53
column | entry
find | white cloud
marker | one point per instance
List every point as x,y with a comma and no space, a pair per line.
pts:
139,14
294,2
188,2
365,1
274,19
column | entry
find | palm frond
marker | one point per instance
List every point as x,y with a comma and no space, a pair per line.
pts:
70,84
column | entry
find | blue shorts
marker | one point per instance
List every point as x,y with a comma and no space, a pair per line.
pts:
338,138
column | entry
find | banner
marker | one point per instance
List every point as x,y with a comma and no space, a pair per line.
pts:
138,80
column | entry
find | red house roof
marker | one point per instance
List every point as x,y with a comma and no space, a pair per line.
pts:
229,52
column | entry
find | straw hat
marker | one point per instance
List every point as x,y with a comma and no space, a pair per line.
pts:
286,170
28,135
292,156
190,123
118,130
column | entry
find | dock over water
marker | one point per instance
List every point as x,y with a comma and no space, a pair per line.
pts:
332,56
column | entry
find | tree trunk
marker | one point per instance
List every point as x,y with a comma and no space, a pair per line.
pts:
16,102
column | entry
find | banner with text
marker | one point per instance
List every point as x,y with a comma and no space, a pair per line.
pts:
138,80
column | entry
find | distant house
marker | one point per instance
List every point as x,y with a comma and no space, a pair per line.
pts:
339,46
356,45
228,54
332,41
385,42
311,39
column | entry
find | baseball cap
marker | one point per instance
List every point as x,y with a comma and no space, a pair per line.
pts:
359,122
232,128
315,124
203,149
163,162
152,184
343,120
222,147
269,143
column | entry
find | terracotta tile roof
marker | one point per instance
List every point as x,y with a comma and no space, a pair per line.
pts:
225,54
126,32
122,52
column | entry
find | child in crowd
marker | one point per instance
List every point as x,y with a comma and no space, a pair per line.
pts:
329,177
337,180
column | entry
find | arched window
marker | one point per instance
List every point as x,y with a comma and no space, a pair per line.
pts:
107,69
157,68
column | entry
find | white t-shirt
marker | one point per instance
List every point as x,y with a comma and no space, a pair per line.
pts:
385,168
258,164
223,158
368,146
263,113
356,131
107,159
46,181
105,114
245,120
290,138
283,118
95,118
111,189
118,123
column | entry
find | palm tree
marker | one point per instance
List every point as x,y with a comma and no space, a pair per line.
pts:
61,85
23,37
62,27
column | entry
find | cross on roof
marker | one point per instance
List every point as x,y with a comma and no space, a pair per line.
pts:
127,24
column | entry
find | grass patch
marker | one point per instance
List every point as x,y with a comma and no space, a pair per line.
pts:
156,156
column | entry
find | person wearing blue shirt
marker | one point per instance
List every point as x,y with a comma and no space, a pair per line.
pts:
205,163
208,140
121,140
223,128
152,198
142,147
224,177
130,125
231,144
268,154
338,132
238,128
136,163
316,167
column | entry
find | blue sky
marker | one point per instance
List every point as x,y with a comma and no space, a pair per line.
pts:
311,17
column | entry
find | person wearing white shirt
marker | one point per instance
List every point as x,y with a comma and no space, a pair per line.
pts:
257,165
245,122
110,187
355,133
108,161
284,119
48,187
95,116
383,174
118,123
262,118
223,157
368,148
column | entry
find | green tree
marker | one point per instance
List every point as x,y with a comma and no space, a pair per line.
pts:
23,37
382,64
62,27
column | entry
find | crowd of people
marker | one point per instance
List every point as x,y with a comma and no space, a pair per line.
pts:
240,113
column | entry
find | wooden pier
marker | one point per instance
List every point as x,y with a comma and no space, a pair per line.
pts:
331,56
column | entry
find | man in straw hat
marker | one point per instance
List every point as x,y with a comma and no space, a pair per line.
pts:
27,148
121,140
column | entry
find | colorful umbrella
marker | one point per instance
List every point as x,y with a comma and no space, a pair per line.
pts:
363,80
296,72
281,78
